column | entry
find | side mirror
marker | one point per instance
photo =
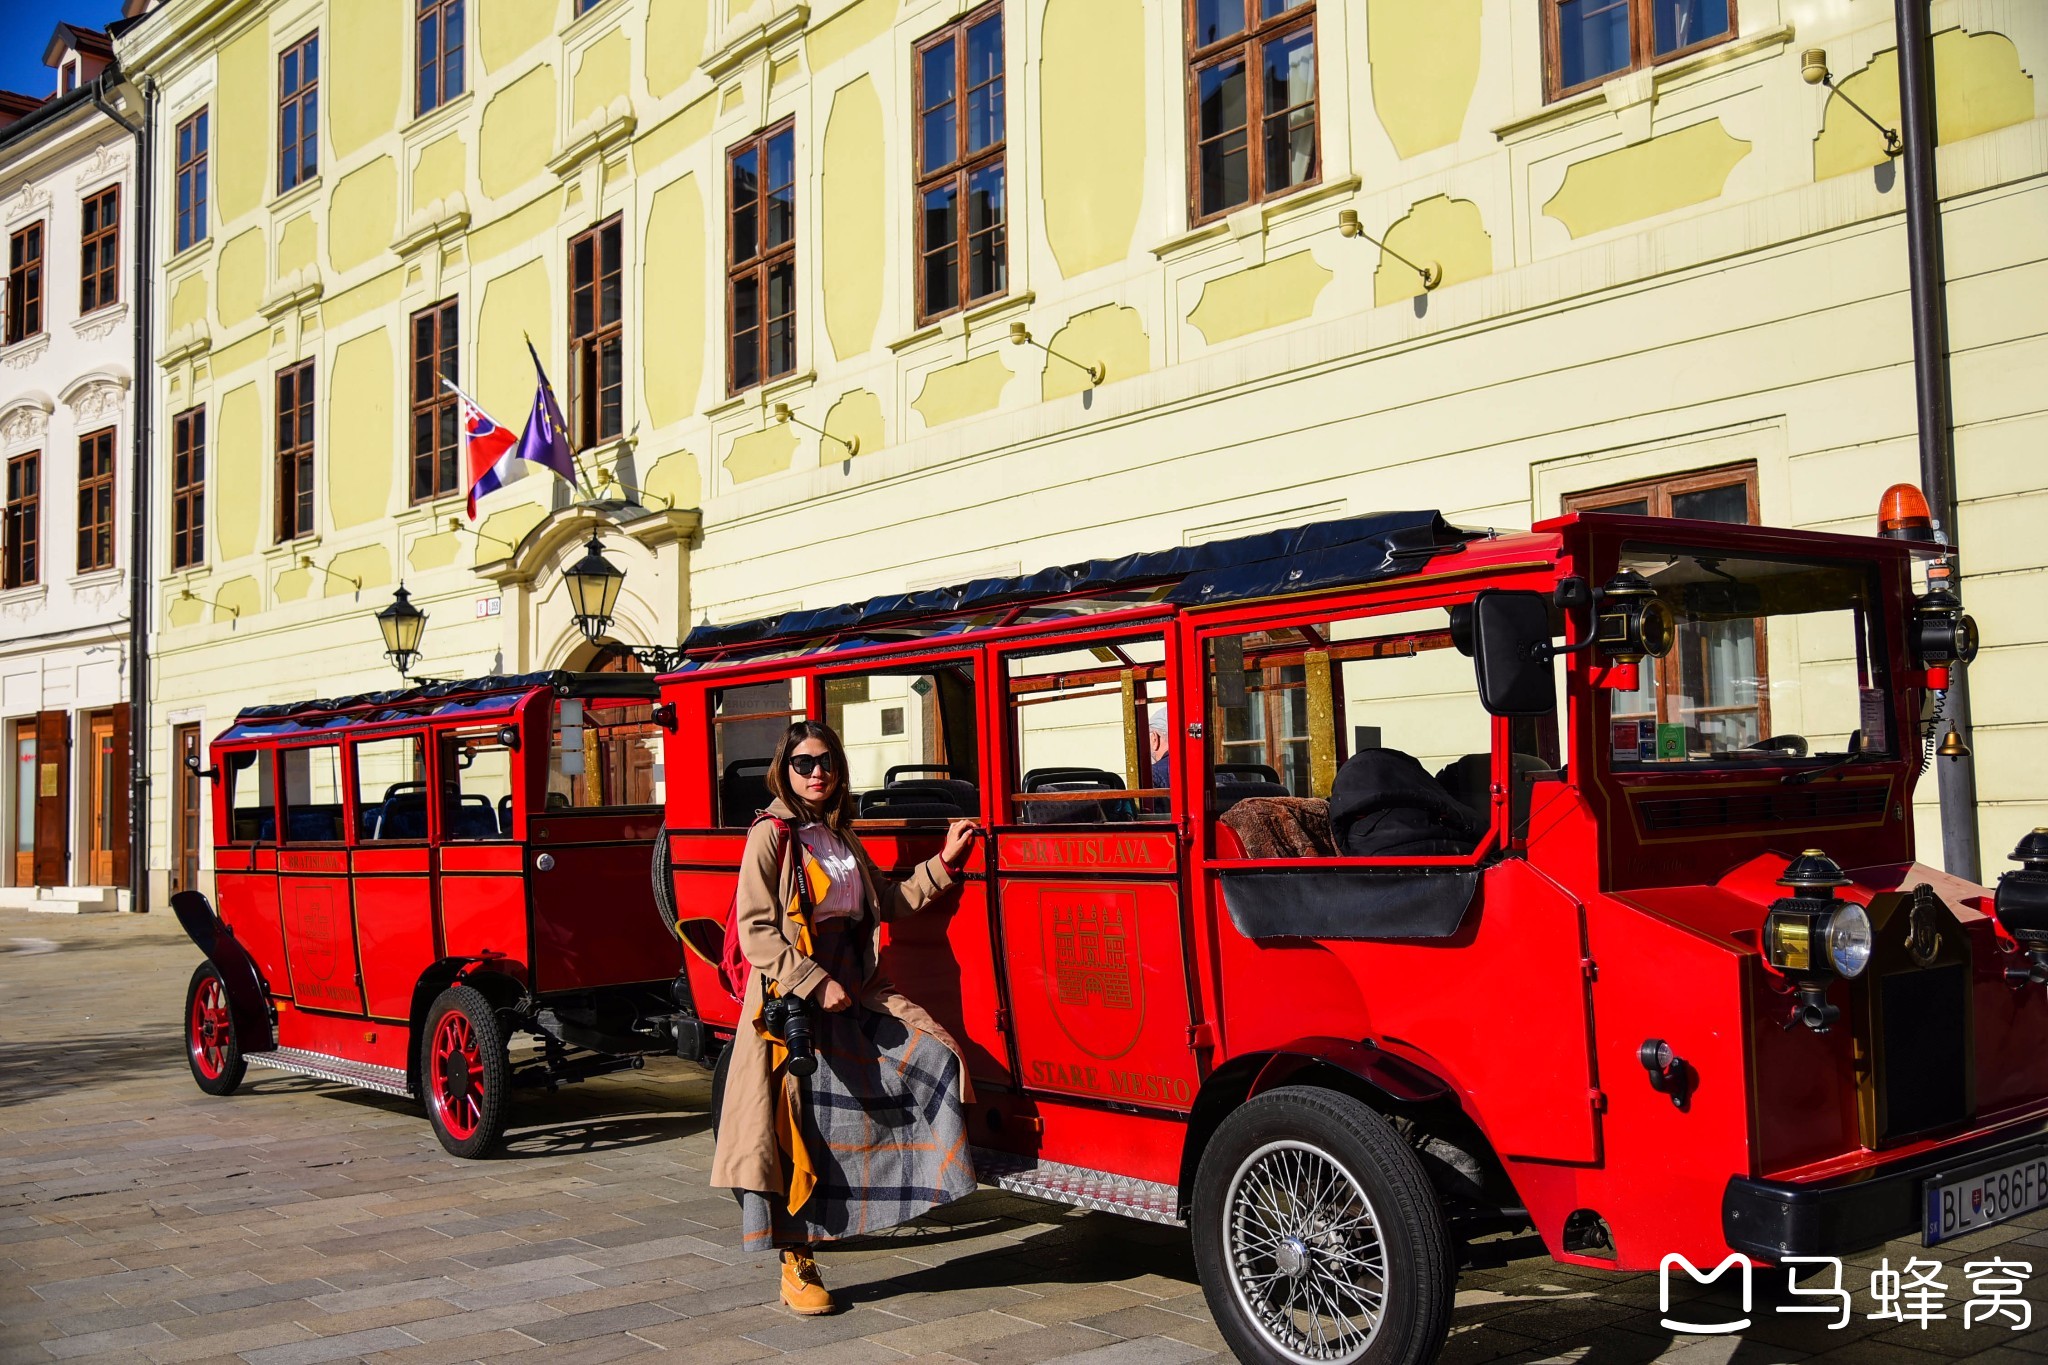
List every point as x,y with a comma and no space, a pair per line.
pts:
1508,636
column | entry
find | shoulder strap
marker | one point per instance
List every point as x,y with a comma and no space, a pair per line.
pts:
790,845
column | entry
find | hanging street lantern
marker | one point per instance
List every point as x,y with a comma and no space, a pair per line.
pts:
402,624
594,583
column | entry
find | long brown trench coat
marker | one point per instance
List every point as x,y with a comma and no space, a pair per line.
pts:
746,1157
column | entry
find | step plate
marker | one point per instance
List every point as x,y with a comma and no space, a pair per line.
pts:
384,1079
1149,1200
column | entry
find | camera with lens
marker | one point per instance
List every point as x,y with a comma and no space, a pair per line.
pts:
789,1021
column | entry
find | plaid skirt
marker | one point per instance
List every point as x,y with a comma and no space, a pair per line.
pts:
881,1119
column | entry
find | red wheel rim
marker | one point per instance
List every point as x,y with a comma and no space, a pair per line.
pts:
455,1076
210,1029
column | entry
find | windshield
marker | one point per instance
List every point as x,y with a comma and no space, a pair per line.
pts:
1774,660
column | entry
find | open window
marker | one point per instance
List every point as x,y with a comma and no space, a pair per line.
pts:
746,725
251,793
605,754
1363,737
477,773
1089,726
391,789
312,795
910,740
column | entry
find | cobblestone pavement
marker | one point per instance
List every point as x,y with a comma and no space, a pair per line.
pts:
299,1222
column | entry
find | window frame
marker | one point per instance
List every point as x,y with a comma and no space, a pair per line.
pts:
96,498
188,487
1642,37
1251,42
1003,762
292,173
963,166
190,180
293,463
25,281
352,787
100,287
764,261
587,349
445,766
21,557
438,406
345,819
438,13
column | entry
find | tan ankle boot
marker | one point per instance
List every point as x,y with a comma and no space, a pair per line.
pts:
803,1289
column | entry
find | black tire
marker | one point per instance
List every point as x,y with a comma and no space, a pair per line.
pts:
663,877
1275,1175
211,1049
718,1070
465,1075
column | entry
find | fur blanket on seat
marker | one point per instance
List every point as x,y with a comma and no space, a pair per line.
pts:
1282,827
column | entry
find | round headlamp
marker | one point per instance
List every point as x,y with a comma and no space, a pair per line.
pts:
1942,634
1849,940
1634,621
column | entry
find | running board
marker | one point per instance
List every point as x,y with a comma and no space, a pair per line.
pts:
1147,1200
386,1080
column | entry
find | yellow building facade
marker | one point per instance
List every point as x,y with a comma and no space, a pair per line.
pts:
1695,263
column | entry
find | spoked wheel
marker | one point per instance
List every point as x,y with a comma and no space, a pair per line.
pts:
465,1072
1318,1237
210,1046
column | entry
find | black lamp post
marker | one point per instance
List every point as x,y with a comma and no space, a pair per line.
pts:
594,584
402,624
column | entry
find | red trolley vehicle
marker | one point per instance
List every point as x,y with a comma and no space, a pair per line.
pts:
1353,889
371,933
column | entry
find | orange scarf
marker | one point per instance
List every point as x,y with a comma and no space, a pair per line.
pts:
789,1132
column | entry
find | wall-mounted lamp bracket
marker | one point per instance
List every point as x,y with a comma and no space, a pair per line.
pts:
1813,69
1348,226
306,562
234,613
783,416
1020,335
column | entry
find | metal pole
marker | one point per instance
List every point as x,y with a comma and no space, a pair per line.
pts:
1955,778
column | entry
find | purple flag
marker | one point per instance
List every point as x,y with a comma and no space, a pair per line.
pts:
546,439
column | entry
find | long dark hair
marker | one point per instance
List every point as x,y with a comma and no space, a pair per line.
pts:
838,807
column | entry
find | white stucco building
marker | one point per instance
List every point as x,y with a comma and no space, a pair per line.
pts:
66,442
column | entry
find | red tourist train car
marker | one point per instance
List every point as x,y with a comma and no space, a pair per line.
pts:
370,935
1349,890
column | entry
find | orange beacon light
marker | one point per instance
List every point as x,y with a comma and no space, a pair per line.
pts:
1902,514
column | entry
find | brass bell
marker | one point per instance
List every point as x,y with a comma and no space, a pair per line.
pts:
1952,745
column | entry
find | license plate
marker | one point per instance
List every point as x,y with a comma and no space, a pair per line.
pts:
1960,1204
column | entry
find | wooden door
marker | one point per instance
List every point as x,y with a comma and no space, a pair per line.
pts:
53,798
101,780
24,803
185,809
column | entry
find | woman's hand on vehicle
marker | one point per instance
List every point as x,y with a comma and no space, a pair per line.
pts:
959,838
833,997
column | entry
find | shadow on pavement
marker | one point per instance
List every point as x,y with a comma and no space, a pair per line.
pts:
34,1070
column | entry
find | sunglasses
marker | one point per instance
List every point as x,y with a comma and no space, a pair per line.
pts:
806,764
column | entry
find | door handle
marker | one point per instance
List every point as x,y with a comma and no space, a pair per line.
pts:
544,863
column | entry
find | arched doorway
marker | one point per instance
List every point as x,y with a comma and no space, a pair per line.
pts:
621,743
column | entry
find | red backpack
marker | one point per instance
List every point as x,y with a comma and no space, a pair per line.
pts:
721,947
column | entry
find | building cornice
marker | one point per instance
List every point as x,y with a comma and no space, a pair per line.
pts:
176,30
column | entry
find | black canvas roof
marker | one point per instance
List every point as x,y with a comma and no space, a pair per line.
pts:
1322,554
425,694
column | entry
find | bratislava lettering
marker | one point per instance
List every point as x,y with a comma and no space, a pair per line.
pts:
1133,853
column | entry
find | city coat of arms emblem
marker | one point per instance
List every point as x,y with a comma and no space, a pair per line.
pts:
1091,969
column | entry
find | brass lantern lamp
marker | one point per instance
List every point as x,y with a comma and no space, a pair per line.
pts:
402,624
594,583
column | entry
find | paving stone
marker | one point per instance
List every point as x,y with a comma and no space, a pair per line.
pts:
577,1326
98,1343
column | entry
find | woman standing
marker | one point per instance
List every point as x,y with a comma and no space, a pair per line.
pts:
876,1135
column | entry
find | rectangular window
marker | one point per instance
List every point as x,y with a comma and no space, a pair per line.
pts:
24,516
477,773
746,726
298,114
1252,96
1589,41
912,749
312,795
25,283
99,250
1081,723
252,795
192,180
96,501
761,257
436,415
391,788
295,451
188,488
438,28
597,361
605,754
962,217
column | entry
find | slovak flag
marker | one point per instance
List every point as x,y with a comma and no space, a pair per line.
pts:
489,449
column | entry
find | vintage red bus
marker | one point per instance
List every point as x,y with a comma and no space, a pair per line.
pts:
369,935
1349,891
